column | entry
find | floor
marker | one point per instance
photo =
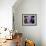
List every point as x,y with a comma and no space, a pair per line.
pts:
9,43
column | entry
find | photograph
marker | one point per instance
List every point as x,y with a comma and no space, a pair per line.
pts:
29,19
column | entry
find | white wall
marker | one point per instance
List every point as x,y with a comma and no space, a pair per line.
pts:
43,22
25,7
6,13
28,7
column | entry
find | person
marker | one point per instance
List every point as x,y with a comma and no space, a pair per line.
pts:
32,20
18,40
25,19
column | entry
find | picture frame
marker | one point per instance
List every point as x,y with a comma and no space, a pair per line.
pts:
29,19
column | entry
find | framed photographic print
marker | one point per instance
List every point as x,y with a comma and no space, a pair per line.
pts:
29,19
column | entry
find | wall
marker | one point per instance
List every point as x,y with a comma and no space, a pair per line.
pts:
6,13
6,17
28,7
43,22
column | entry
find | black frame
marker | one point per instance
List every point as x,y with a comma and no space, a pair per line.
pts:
35,15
